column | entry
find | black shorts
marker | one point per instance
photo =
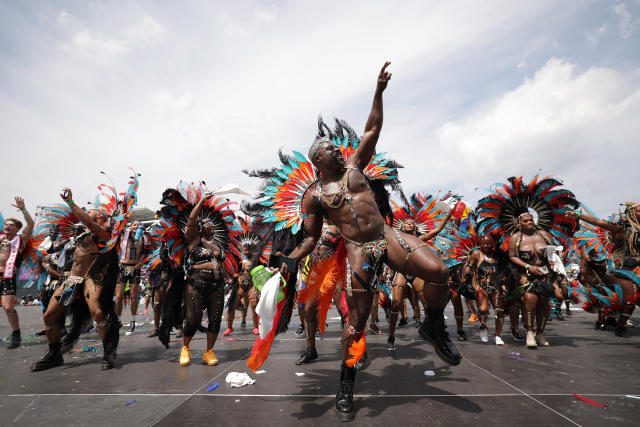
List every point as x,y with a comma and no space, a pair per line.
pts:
127,272
8,286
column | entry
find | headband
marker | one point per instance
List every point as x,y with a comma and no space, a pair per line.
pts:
316,145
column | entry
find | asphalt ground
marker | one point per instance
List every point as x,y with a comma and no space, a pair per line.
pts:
493,385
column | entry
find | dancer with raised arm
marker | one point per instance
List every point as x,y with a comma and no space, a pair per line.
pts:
12,246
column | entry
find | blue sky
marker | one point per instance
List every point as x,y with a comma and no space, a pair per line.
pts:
200,90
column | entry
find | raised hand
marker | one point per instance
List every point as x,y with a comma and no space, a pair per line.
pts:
19,204
66,194
384,77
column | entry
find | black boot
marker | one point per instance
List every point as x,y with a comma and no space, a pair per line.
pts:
434,330
50,360
344,397
515,333
391,344
307,357
16,339
110,342
363,363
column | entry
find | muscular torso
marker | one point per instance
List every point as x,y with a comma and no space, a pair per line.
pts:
5,251
84,255
369,223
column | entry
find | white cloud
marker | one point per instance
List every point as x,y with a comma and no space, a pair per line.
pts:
96,46
580,127
64,17
627,22
102,48
146,31
593,37
266,16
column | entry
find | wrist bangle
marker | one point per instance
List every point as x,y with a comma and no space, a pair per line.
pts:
577,214
69,202
526,267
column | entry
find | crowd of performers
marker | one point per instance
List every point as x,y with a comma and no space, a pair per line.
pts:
327,222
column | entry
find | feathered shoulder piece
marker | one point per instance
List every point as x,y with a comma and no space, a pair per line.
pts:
542,197
421,209
117,207
284,187
57,216
462,243
177,206
593,237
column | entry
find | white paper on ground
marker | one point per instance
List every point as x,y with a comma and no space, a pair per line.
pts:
268,305
239,379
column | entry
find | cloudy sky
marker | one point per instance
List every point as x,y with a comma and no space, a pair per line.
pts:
199,90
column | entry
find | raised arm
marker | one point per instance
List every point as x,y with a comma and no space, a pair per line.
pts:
433,233
28,229
609,226
192,235
367,146
83,216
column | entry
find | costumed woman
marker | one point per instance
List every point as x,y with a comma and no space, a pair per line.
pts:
462,242
625,237
243,292
488,276
509,212
417,218
200,233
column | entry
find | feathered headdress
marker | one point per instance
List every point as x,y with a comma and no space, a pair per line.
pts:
593,238
462,243
177,206
116,209
422,209
280,199
541,197
252,235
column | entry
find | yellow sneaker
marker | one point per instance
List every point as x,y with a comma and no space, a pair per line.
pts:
185,356
209,357
472,318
